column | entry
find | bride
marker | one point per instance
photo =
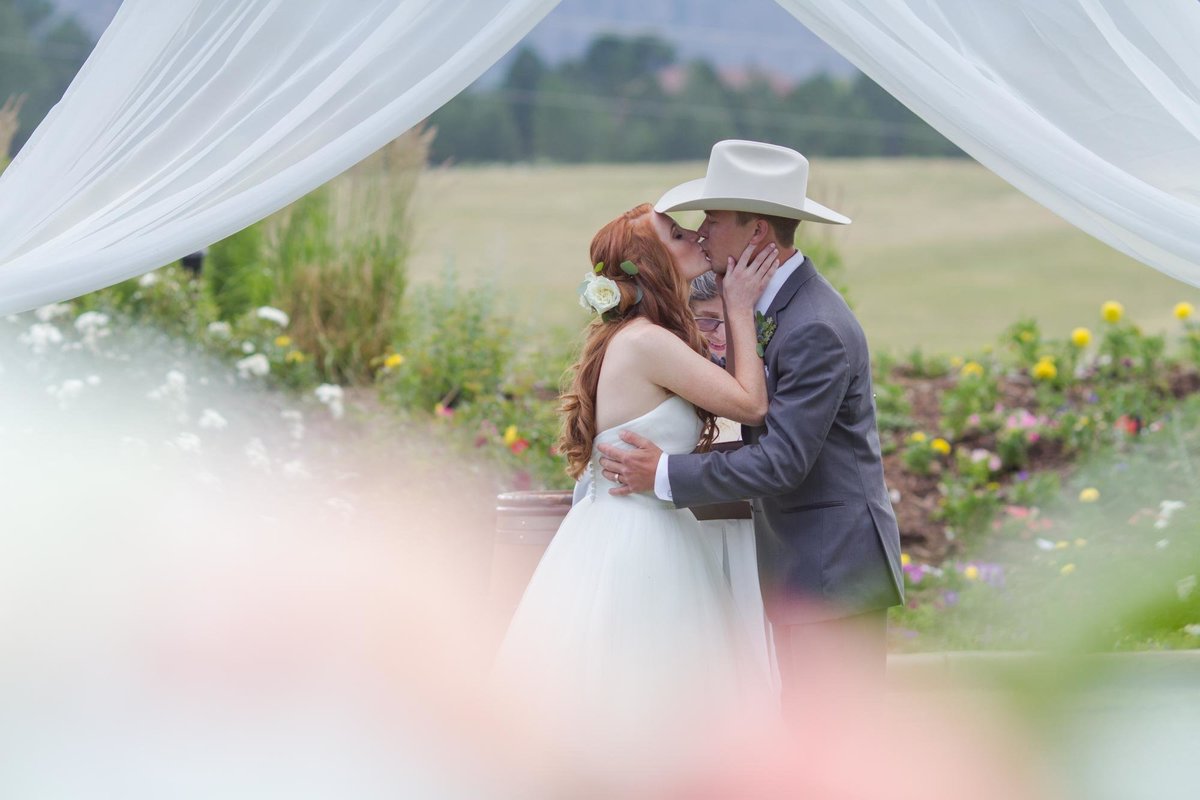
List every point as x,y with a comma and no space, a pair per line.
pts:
627,629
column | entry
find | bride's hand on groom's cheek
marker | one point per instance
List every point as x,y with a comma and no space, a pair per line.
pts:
633,468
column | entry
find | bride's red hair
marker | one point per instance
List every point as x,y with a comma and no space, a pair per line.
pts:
630,237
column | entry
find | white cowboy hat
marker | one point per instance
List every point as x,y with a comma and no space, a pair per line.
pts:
751,176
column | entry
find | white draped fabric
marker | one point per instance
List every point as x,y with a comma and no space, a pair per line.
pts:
1091,107
194,118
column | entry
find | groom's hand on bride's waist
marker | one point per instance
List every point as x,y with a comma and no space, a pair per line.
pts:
632,468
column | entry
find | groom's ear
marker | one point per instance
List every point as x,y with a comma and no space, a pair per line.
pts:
761,232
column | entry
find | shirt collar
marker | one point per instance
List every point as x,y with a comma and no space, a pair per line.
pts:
777,280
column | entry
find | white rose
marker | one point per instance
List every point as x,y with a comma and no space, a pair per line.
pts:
600,293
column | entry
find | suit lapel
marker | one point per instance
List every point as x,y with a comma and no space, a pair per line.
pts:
803,274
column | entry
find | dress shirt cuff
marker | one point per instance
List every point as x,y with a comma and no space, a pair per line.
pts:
662,482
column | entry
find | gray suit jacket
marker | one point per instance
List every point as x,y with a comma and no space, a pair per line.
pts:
824,524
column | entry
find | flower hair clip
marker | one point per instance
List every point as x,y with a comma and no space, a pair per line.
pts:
601,293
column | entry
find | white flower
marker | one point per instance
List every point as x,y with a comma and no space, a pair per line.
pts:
90,322
599,293
1185,586
295,420
211,418
69,390
188,442
1169,507
147,280
1044,544
40,336
220,330
176,381
271,314
52,311
256,454
331,395
248,347
256,364
296,469
1192,630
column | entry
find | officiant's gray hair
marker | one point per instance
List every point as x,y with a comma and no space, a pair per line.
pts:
704,287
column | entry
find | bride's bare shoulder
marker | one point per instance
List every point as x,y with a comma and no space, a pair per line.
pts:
642,335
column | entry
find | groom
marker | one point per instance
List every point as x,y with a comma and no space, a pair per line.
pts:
828,545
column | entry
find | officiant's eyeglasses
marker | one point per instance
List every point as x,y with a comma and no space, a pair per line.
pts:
708,324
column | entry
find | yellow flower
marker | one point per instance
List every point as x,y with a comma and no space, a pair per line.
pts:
1044,370
294,357
971,573
1081,337
940,445
918,438
283,341
905,559
993,486
1027,336
1184,310
956,362
972,369
1089,495
1080,542
1067,569
1061,545
393,360
1112,311
510,435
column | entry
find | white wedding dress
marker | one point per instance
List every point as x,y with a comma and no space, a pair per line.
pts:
628,630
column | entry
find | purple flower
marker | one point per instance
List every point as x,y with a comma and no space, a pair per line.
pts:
950,597
1023,475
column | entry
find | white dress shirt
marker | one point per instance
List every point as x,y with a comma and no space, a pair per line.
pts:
662,481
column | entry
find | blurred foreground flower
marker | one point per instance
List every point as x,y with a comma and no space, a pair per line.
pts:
1089,495
1112,311
272,314
1184,310
1081,337
331,395
256,365
393,361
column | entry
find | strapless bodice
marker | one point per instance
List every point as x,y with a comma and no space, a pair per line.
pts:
672,425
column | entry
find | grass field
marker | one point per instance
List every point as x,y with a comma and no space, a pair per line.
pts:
942,254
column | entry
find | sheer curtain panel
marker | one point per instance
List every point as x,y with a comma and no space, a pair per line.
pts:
1091,107
194,118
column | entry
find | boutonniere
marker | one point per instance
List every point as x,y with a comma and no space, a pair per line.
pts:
766,329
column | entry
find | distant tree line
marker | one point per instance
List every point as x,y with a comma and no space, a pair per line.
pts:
611,105
40,52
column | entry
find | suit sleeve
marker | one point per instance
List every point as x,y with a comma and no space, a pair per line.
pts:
813,375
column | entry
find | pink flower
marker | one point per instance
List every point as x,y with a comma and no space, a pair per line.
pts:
519,446
1033,437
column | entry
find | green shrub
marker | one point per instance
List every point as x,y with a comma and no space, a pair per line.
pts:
457,348
237,275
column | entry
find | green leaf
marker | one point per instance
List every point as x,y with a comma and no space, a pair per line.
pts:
759,349
598,268
629,268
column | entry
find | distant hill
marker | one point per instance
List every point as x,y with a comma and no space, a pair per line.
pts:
730,34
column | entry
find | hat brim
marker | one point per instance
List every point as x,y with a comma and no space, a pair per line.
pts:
690,196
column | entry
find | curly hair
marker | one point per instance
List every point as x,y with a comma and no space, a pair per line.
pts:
664,302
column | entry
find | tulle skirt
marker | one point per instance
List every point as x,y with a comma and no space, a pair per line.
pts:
628,632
